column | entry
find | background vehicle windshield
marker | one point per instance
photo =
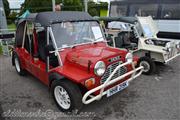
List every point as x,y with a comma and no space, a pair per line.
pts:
69,34
148,26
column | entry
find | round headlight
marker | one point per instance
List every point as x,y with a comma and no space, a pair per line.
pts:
168,45
178,45
129,57
99,68
149,42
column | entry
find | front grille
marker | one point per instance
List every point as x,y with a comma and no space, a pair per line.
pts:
173,52
110,69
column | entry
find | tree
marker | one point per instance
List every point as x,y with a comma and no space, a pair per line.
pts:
46,5
94,8
6,7
73,5
68,5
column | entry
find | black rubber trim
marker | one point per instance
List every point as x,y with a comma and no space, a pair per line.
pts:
13,58
171,35
54,76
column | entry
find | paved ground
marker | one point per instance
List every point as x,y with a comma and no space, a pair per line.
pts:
154,97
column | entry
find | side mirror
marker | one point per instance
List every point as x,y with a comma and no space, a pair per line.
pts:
48,49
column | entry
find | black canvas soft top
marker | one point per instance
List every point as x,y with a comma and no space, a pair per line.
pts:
48,18
130,20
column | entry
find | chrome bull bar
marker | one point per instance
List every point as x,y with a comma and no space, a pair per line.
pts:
168,60
109,82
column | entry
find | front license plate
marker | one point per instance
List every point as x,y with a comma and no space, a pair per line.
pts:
117,88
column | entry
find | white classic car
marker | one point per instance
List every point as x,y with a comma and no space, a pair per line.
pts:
139,35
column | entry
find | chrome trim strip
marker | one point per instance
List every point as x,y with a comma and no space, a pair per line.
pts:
47,62
55,45
172,58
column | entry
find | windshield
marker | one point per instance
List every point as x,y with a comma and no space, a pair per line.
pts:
68,34
148,26
147,30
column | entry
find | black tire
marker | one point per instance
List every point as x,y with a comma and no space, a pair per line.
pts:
16,62
147,62
73,92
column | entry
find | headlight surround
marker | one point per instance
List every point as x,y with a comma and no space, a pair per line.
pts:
129,57
99,68
168,46
149,42
178,45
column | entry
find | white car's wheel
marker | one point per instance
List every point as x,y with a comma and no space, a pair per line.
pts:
148,64
67,95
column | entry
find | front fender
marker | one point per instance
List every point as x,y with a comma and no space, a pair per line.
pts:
54,76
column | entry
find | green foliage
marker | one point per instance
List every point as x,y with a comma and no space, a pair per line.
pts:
93,12
6,7
67,5
46,5
12,17
36,5
94,8
72,5
12,26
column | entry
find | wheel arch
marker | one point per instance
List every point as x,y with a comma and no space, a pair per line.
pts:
56,76
142,53
155,56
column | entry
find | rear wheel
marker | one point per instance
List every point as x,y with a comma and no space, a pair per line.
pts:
17,65
148,64
67,95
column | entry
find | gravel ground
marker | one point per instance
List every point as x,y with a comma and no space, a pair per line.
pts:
155,97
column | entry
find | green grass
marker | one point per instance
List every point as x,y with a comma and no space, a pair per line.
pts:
11,26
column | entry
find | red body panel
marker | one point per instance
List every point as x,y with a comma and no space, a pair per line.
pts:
32,65
75,62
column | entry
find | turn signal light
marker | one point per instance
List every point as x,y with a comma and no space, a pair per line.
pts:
135,63
90,82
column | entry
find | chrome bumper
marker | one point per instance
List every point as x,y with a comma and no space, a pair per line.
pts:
109,82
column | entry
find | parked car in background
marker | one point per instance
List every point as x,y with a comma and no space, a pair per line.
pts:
139,35
68,52
166,13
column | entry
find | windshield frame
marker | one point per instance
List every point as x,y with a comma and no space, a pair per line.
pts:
92,42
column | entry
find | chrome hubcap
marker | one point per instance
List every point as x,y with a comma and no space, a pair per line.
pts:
17,65
146,66
62,97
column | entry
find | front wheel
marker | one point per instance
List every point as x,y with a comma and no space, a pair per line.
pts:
67,95
148,64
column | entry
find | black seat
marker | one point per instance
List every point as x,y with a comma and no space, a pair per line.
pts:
118,41
41,45
124,41
53,61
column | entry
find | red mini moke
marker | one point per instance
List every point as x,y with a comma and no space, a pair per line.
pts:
68,52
